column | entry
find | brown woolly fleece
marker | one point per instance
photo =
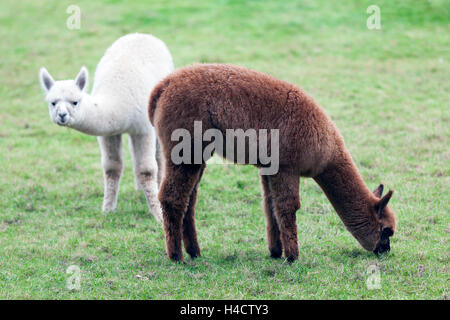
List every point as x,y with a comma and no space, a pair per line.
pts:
310,145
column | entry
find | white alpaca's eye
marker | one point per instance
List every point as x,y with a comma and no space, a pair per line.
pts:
74,103
53,103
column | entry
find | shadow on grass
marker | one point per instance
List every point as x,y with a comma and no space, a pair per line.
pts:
360,253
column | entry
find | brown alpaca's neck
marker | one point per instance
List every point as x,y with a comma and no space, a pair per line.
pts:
350,197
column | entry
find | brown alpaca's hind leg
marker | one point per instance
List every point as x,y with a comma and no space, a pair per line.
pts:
286,200
189,230
273,231
176,188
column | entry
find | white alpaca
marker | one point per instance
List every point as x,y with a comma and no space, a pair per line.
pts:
124,79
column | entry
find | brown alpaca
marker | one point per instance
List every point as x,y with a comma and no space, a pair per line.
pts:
230,97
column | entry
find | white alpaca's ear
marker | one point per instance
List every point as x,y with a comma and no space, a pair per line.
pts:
45,79
82,79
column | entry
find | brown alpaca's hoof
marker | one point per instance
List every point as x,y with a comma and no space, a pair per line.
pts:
194,253
193,250
276,254
176,257
291,258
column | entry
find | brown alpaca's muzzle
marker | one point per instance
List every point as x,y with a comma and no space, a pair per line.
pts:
384,244
382,247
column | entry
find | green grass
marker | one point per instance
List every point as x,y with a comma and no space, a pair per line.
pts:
387,90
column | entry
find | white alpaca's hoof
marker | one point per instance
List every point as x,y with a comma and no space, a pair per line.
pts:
108,208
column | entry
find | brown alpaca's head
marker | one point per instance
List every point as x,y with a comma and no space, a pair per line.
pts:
385,218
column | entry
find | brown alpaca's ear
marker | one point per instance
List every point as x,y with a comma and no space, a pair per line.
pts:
383,203
378,192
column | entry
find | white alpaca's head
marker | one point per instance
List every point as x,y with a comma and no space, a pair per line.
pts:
65,97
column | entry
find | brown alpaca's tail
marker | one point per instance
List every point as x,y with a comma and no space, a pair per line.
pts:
154,97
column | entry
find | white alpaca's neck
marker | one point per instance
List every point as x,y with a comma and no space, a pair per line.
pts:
98,117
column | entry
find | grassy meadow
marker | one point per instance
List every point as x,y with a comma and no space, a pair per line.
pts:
387,90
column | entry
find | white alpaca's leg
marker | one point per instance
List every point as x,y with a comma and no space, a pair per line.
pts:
145,169
137,185
111,149
160,162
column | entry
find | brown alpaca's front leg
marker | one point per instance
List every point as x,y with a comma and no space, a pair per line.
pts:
273,231
176,189
189,230
286,200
